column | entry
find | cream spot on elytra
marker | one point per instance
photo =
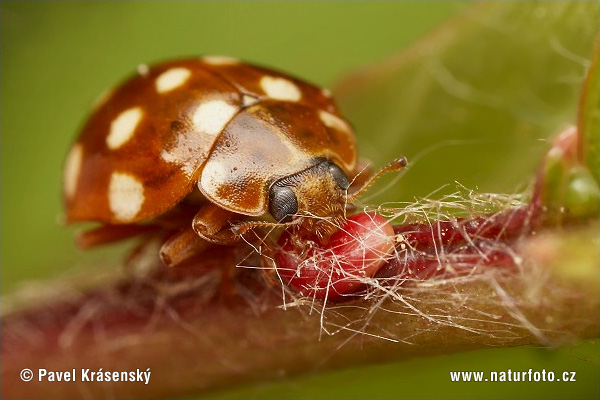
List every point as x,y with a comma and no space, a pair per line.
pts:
125,196
220,60
172,79
72,170
123,127
143,70
280,88
326,92
212,116
333,121
188,152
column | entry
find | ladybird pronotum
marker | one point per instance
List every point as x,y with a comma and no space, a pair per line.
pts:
210,148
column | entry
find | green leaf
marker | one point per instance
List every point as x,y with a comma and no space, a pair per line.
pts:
589,115
476,100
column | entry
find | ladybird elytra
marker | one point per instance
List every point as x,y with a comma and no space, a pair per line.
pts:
215,133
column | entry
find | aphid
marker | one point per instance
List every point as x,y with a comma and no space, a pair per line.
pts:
211,148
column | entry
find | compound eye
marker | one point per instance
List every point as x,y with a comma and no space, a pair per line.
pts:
339,176
283,204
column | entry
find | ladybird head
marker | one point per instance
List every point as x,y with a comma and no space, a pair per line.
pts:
315,196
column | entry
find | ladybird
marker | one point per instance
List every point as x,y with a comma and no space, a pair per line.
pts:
212,148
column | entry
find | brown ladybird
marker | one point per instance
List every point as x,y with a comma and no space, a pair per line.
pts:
253,142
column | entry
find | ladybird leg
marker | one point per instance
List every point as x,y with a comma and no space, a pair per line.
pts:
144,261
182,246
211,223
242,228
110,233
209,227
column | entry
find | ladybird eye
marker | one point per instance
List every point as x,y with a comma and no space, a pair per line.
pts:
283,204
339,176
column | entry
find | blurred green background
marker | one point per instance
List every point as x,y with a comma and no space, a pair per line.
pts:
57,57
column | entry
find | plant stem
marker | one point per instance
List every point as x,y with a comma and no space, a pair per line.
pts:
196,334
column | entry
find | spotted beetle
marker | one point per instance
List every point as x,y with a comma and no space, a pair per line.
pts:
232,141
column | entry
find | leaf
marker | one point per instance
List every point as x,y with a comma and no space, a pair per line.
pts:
477,99
589,115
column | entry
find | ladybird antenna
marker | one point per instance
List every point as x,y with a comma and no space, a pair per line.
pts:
396,165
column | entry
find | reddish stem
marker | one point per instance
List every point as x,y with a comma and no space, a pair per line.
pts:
456,247
502,226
